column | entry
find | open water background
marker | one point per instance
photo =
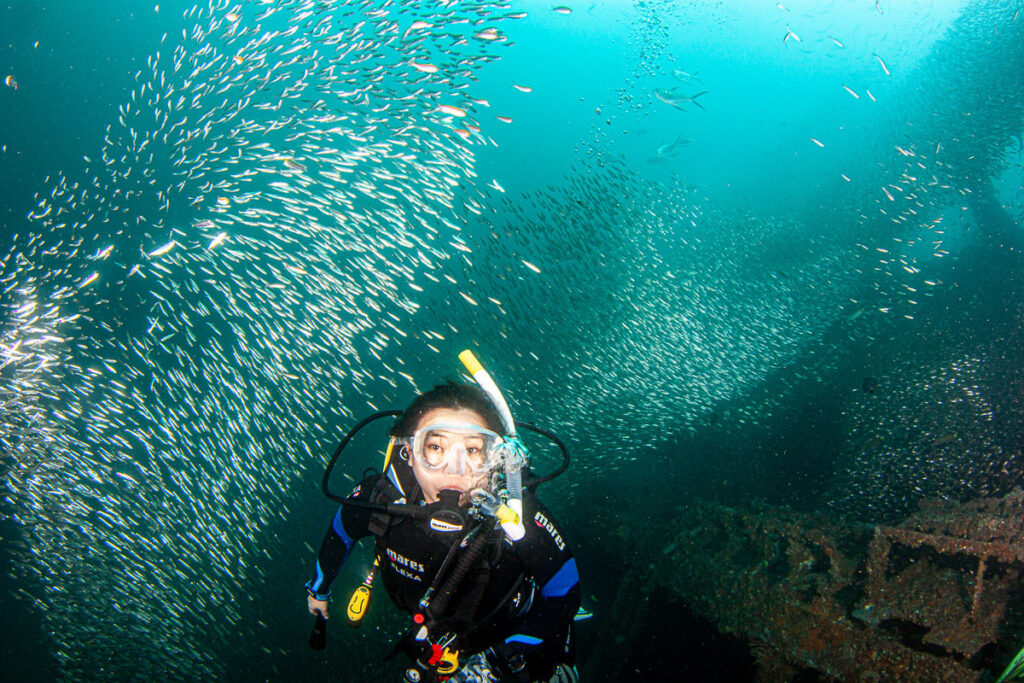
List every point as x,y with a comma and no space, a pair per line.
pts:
744,251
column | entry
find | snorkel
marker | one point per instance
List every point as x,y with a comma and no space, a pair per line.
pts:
514,454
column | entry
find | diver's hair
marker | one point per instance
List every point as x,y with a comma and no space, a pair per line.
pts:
453,395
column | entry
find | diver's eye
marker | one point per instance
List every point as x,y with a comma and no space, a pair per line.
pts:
433,453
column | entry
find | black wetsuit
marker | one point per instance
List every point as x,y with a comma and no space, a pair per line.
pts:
520,602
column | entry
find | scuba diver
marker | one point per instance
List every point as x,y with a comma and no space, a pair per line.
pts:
461,543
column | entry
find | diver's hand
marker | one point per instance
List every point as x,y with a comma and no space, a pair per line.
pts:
564,674
317,606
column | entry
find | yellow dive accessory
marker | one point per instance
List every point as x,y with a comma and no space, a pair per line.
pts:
469,359
359,603
449,663
387,454
484,380
507,515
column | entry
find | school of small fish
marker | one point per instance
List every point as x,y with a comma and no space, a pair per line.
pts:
191,319
284,230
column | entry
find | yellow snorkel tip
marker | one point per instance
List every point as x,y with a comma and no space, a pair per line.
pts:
486,382
470,361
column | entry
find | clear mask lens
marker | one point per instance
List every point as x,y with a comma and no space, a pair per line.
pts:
456,448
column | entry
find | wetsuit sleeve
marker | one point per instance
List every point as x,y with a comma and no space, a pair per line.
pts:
349,525
540,635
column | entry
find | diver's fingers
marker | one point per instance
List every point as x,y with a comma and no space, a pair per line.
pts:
564,674
317,606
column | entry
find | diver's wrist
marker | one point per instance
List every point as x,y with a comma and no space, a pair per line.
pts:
323,597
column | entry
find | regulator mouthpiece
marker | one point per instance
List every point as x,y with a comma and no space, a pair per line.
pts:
448,517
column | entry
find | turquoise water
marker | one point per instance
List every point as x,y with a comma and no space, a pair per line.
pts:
741,251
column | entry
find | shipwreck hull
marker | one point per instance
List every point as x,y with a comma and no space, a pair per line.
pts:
938,597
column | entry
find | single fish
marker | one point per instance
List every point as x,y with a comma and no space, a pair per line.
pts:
884,67
449,109
676,99
163,250
686,77
531,266
665,152
424,67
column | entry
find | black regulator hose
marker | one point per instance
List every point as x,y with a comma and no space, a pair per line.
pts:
533,483
324,483
466,561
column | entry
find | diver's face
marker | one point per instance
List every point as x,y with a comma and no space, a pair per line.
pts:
433,481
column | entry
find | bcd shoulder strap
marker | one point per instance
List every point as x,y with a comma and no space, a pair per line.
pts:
383,492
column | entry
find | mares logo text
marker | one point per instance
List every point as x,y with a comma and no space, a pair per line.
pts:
544,522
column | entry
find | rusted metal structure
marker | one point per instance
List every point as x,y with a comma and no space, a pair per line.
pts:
926,600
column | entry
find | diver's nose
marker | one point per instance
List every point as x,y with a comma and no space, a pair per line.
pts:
456,460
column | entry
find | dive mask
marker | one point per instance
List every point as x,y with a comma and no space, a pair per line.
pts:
456,447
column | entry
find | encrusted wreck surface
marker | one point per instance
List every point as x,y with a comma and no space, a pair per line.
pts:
926,600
